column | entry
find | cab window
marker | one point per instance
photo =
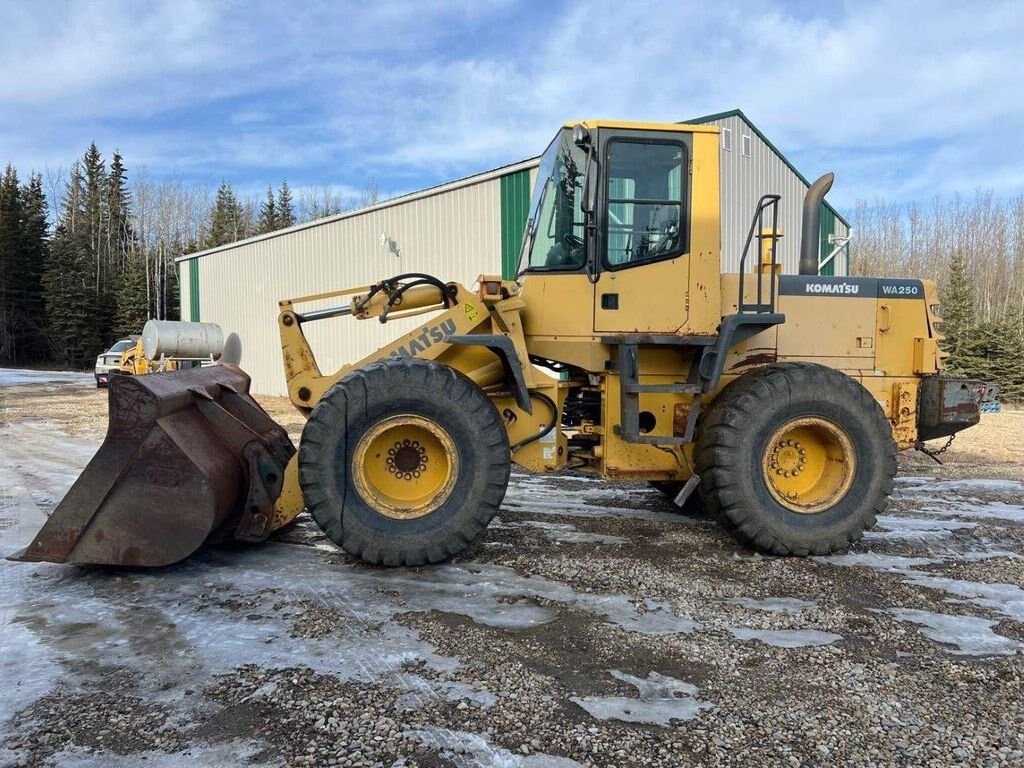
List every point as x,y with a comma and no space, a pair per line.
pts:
645,217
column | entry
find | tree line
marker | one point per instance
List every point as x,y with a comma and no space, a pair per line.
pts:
87,255
974,249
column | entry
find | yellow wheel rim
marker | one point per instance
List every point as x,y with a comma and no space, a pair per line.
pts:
405,466
809,464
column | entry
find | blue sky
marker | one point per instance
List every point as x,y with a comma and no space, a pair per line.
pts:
902,100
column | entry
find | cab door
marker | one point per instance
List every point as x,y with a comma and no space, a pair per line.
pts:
644,239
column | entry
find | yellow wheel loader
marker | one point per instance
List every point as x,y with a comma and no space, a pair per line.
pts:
135,363
620,351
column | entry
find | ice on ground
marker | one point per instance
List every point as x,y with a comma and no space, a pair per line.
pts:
47,461
774,604
933,485
876,561
196,756
15,377
28,666
561,532
419,688
526,495
913,528
1006,599
471,749
980,510
661,699
987,554
972,635
786,638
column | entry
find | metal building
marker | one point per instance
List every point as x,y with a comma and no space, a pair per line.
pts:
456,231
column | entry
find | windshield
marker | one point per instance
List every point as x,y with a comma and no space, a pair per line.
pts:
121,346
555,230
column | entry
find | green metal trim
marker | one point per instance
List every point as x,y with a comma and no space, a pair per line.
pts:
193,290
828,225
739,113
515,208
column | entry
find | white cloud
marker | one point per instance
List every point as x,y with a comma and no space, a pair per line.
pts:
902,100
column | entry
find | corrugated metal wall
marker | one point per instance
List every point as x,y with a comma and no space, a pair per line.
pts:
454,234
744,180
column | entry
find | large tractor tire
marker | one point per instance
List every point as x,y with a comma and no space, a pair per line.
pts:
404,462
796,459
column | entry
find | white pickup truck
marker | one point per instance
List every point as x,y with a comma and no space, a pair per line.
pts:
109,362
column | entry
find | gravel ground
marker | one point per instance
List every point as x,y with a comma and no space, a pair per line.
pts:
592,625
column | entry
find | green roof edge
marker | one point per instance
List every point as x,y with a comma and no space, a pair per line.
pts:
739,113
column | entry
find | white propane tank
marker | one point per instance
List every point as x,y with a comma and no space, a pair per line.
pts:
180,339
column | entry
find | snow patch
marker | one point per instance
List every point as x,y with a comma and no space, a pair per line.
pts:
774,604
538,498
786,638
912,528
16,377
561,532
661,699
972,635
471,749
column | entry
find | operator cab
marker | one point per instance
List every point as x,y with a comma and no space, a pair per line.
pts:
624,231
635,214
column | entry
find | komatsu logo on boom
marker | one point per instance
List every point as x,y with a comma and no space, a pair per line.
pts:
429,336
847,289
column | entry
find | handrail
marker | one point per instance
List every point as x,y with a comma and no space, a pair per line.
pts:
766,201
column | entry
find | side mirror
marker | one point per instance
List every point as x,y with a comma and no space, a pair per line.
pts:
581,137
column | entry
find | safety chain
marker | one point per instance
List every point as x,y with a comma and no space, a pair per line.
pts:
934,455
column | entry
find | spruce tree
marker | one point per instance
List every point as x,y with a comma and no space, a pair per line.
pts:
285,207
958,318
69,296
268,213
73,325
11,261
132,298
119,239
227,219
35,248
1007,367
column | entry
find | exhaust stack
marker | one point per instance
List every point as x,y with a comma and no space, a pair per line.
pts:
811,227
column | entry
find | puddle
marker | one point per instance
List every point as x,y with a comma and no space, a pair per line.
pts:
661,699
972,635
786,638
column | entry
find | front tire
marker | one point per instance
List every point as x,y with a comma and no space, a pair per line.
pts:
404,462
796,459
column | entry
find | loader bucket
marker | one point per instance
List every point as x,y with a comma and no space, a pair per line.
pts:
188,456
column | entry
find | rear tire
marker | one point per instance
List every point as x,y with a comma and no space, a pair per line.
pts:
796,459
404,462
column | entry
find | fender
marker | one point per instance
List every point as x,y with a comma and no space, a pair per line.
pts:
503,347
